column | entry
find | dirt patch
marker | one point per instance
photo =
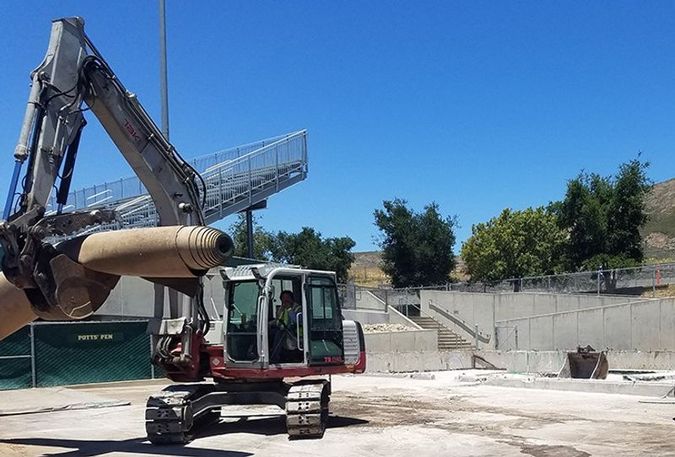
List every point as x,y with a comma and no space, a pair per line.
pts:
457,414
552,451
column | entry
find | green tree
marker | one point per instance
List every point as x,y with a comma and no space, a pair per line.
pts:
309,249
262,239
514,244
416,247
603,216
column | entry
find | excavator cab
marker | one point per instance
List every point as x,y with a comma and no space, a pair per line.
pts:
255,334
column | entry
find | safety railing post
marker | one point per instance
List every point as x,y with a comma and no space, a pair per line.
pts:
250,183
598,280
276,169
516,335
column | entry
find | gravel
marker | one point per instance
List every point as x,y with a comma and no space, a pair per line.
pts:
384,328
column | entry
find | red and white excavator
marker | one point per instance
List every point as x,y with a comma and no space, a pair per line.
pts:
235,354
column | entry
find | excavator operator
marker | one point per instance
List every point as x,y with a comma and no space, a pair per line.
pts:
283,330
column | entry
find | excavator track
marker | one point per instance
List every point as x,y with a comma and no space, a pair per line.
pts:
169,417
307,409
173,415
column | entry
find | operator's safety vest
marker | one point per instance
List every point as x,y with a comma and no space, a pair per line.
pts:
285,318
285,315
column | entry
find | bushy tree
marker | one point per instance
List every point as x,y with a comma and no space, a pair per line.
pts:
416,247
514,244
262,239
603,216
309,249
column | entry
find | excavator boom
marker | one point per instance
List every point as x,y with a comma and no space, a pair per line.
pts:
74,78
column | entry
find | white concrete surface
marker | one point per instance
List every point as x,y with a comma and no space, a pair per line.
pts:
374,416
654,389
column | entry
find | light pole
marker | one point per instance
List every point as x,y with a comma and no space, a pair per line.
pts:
163,84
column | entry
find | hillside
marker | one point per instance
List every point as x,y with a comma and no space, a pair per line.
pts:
366,271
659,232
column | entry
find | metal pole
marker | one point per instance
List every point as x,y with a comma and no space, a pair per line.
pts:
599,273
163,83
249,233
152,353
33,369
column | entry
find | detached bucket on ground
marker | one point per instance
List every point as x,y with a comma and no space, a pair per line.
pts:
585,363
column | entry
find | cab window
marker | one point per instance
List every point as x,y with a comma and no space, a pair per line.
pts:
242,319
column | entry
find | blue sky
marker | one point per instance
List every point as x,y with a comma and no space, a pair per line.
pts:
475,105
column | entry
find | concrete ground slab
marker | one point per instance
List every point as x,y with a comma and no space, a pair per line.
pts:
607,386
49,399
374,416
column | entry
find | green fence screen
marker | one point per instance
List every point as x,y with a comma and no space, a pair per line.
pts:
76,353
15,360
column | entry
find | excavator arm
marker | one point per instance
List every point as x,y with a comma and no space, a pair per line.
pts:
72,79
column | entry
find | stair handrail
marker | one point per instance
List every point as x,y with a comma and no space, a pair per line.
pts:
466,326
257,152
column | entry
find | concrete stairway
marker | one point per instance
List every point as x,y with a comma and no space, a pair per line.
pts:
447,339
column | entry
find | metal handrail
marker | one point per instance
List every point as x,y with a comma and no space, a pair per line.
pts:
263,169
477,336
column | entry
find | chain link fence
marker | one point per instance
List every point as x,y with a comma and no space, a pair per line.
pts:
630,281
62,353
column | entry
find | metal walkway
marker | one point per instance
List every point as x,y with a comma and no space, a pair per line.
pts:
235,178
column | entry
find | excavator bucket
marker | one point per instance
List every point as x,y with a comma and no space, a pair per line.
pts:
585,363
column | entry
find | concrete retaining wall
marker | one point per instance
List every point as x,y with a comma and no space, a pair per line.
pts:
542,321
511,361
366,317
644,326
367,300
483,309
397,318
552,361
404,362
412,341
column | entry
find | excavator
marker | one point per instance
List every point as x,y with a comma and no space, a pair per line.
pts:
236,361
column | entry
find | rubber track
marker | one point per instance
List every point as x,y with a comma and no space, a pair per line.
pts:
168,416
307,409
